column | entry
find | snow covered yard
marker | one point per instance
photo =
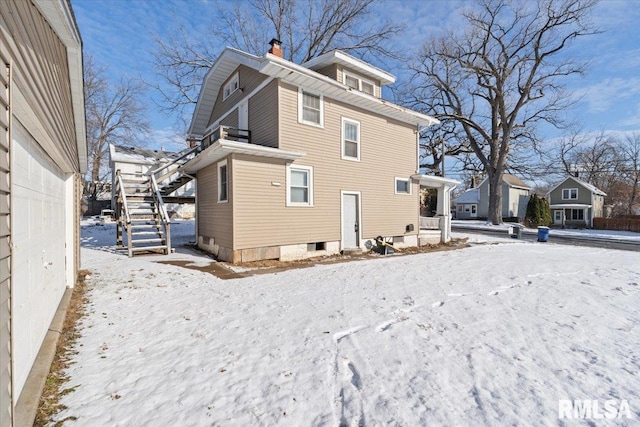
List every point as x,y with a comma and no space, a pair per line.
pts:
493,334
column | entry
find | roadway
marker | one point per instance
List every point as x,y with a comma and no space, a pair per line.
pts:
595,242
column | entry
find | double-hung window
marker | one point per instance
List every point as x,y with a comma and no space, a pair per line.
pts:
232,85
310,109
223,182
350,139
569,193
299,185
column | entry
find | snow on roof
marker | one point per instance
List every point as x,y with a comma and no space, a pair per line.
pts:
137,155
472,195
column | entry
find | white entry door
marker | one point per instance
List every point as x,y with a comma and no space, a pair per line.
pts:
557,217
350,221
243,116
474,211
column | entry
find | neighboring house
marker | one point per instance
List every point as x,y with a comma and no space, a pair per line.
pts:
43,155
306,160
515,196
140,162
467,204
574,203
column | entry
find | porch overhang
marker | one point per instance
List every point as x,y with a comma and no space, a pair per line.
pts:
435,181
222,148
570,206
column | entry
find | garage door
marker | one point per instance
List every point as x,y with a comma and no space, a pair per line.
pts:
38,222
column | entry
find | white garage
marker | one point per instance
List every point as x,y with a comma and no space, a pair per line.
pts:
43,157
38,218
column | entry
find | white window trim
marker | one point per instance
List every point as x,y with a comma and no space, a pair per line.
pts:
346,74
219,166
235,79
308,169
569,190
395,185
342,155
300,108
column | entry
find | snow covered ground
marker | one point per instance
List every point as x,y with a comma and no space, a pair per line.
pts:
597,234
493,334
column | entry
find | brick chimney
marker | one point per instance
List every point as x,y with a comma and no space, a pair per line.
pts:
275,48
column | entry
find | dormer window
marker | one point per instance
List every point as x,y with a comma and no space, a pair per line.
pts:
367,87
359,83
232,85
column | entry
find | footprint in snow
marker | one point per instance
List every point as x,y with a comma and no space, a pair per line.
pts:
437,304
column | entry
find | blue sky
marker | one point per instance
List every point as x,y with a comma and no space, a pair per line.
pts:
119,34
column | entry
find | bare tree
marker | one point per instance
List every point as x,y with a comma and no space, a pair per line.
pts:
629,150
501,77
114,115
307,28
610,163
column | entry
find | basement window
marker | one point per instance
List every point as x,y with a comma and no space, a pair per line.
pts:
318,246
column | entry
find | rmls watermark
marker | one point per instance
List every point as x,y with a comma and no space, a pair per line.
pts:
593,409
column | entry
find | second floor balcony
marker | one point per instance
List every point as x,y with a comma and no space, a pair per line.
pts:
227,133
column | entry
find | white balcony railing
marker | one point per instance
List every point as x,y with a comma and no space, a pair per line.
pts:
429,223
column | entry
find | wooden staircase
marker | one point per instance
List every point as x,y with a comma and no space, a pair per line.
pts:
141,216
140,211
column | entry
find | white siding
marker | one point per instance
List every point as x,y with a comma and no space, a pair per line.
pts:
38,217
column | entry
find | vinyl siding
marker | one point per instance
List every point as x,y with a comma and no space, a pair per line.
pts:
514,200
41,75
5,250
249,80
330,71
263,116
584,195
388,149
231,120
215,220
483,202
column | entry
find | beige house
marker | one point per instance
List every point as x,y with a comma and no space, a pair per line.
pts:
306,160
574,203
43,154
515,196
